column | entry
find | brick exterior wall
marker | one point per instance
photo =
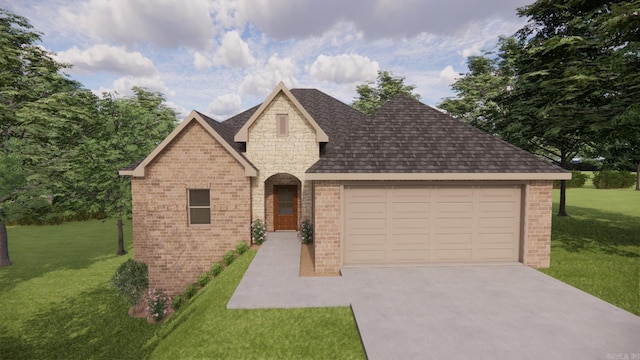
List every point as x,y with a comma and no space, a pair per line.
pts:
536,248
272,155
327,226
176,252
537,227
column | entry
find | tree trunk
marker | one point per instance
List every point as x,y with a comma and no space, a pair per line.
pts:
638,178
4,247
562,211
121,250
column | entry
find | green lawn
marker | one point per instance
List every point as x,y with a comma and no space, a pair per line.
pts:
56,303
597,248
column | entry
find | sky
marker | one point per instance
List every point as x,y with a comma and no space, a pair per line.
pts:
221,57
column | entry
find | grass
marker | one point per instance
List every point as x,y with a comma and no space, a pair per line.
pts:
597,248
206,329
57,303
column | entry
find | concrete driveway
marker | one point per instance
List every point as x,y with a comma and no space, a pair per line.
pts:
485,312
444,312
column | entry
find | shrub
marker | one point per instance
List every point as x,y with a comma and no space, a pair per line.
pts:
131,280
258,232
203,279
578,178
242,248
190,291
609,179
306,232
177,302
157,304
228,257
216,269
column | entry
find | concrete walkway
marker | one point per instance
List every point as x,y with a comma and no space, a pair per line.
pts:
471,312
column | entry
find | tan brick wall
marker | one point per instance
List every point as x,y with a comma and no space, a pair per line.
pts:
537,227
327,226
175,252
272,154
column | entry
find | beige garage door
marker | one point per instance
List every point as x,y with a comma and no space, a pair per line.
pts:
404,224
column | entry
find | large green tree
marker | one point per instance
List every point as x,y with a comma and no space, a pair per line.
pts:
372,95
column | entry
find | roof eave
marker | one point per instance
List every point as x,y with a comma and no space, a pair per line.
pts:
440,176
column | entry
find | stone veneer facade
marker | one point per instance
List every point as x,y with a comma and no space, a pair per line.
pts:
328,225
176,252
272,154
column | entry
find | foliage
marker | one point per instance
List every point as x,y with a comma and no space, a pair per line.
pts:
371,96
306,232
242,247
188,333
190,291
177,302
258,231
578,179
203,279
216,269
228,257
611,179
131,280
158,304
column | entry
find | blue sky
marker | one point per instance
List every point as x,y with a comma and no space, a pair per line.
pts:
223,56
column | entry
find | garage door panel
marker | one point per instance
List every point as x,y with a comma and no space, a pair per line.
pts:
452,255
409,256
408,224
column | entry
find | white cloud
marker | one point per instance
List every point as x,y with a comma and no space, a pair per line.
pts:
224,106
473,50
233,51
283,19
448,76
344,68
107,58
265,78
164,23
181,111
201,61
124,84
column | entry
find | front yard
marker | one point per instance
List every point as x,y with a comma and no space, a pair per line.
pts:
56,301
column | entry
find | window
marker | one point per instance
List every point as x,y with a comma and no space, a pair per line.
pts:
199,207
282,124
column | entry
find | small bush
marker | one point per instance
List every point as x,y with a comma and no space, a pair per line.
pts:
216,269
203,279
610,179
306,232
177,302
190,291
578,179
242,248
131,280
258,232
228,258
157,304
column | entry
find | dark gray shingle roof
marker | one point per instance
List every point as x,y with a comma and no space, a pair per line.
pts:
406,136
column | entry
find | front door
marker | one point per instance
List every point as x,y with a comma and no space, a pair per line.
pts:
285,212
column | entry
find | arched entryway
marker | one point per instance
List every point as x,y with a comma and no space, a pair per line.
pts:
282,202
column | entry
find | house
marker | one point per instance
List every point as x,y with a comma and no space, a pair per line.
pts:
407,185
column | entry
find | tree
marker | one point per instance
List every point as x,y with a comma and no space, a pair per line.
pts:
371,96
126,130
29,79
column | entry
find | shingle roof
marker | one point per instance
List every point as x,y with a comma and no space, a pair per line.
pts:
406,136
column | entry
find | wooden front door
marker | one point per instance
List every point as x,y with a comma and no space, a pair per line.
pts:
285,203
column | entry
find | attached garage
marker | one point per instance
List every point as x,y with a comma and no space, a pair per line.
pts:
408,224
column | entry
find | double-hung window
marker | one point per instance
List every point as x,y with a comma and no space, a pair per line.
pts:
199,207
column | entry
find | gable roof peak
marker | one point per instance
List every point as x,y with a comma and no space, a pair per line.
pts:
243,134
